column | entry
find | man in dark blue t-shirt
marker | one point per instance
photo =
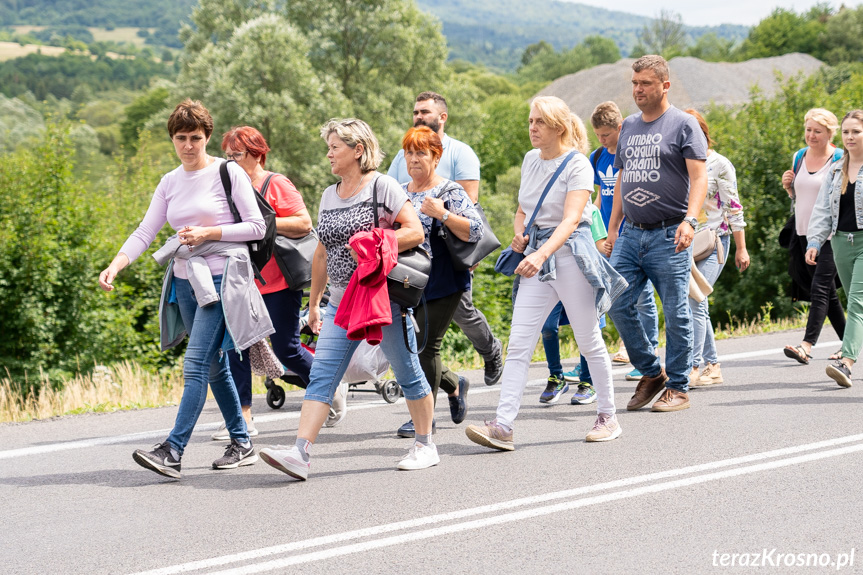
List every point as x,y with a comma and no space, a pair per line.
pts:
660,188
607,120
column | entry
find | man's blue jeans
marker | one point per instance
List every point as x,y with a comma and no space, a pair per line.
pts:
334,350
642,255
204,362
704,346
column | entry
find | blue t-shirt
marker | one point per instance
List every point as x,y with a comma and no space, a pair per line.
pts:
458,162
652,156
604,176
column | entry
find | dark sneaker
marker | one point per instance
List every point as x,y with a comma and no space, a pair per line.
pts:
458,403
407,430
236,455
646,390
159,460
556,387
494,365
840,373
584,395
492,434
671,400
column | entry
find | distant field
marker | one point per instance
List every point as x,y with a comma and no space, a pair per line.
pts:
118,35
11,50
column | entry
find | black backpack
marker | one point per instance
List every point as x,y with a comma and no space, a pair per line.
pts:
260,251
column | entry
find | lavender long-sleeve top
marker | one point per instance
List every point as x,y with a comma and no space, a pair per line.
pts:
198,199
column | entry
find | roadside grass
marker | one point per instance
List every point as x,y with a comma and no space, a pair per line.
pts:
128,386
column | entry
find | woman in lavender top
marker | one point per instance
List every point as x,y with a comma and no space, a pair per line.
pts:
724,215
191,199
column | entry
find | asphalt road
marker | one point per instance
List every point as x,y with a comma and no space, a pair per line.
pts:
764,469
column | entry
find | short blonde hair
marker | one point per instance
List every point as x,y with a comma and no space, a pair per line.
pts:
353,132
606,115
824,117
556,114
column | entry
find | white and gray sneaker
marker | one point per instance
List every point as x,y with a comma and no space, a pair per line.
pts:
236,455
287,460
339,408
159,459
420,457
222,434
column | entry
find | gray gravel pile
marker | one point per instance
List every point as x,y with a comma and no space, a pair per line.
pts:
694,83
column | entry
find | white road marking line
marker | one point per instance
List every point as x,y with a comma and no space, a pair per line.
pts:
413,524
205,427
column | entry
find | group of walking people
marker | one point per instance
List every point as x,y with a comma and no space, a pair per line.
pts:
655,175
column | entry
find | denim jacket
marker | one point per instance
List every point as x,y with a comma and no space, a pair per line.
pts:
606,282
825,214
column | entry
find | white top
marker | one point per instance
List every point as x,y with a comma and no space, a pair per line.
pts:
806,187
535,174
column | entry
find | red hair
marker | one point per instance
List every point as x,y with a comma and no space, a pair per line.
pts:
249,139
423,139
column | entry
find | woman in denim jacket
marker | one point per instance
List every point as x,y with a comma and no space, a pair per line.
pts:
560,263
838,212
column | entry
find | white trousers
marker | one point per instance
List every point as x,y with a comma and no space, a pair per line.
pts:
534,302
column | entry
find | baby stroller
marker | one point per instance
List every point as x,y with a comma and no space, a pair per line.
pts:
367,365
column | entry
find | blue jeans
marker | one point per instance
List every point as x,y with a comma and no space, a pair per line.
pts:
284,307
334,350
642,255
551,344
703,344
649,316
204,362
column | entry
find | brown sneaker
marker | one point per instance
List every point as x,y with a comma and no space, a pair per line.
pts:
711,375
646,390
694,375
671,400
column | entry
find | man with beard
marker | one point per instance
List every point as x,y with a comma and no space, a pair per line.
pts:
460,164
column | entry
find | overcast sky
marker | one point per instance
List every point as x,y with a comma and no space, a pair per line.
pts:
712,12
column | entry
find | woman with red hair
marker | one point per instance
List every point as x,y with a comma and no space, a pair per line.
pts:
440,204
247,146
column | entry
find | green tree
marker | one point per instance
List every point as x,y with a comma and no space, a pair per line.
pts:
137,114
711,48
242,82
504,139
843,37
783,32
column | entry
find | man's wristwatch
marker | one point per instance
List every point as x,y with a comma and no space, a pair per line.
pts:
692,221
445,216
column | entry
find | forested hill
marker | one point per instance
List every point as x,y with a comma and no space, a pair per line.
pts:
496,32
493,32
163,15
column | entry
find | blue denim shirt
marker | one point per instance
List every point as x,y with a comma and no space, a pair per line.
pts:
606,282
825,214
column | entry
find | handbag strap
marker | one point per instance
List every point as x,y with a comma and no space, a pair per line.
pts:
226,184
375,202
551,182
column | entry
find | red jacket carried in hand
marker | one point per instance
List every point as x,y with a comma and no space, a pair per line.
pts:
365,307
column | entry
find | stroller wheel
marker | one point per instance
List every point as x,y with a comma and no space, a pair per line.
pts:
391,391
275,395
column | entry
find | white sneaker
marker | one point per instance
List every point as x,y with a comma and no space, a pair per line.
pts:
420,457
339,408
286,460
223,435
606,428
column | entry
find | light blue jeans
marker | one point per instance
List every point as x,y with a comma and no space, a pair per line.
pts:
703,344
204,362
642,255
334,350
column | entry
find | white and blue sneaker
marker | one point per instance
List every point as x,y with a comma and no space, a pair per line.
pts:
583,395
633,375
556,387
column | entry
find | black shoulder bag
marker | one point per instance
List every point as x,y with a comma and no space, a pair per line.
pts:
465,255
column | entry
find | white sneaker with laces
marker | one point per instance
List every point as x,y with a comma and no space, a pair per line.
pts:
222,434
287,460
606,428
420,457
